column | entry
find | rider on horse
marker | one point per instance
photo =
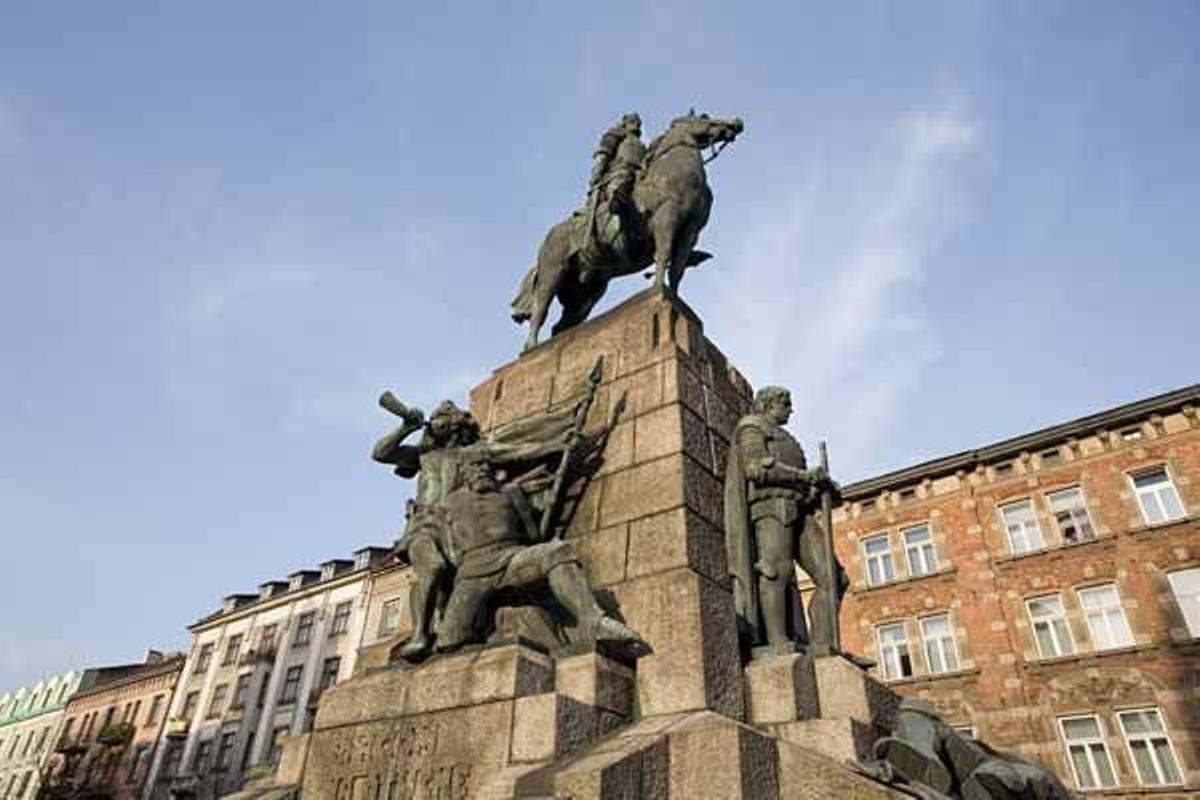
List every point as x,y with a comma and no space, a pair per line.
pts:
617,162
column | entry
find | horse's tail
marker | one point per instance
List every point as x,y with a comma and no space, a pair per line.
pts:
523,303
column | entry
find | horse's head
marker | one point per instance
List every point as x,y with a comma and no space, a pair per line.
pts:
701,130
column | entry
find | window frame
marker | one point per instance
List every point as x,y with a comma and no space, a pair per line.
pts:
949,640
287,697
1073,520
1066,626
306,624
1089,591
340,622
1191,623
203,658
1141,472
233,646
885,557
1163,733
1037,526
1086,744
385,615
884,652
922,548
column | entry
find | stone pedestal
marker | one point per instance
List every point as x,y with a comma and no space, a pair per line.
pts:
825,704
688,720
649,525
464,725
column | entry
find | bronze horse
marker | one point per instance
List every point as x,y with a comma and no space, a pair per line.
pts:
671,201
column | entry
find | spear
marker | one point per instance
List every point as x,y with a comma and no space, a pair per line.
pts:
831,605
560,476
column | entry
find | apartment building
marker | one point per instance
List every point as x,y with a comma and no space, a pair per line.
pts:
1044,592
255,673
30,717
111,731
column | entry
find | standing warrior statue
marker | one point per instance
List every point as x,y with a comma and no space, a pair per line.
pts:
772,501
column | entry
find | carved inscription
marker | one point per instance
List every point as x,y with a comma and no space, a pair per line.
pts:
388,760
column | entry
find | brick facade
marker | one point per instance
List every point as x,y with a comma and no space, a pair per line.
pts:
1014,687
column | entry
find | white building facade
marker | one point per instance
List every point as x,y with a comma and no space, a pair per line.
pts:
30,719
255,671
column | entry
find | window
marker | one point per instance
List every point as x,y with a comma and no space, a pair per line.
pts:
155,707
1071,514
341,619
262,689
189,705
1131,434
918,549
1185,585
240,690
139,755
200,760
173,758
1021,527
66,732
880,568
941,654
1105,618
266,639
1050,627
1157,496
908,495
276,748
893,652
1087,753
203,658
304,629
390,618
329,672
217,704
231,650
225,750
291,684
1051,457
1149,747
137,709
108,717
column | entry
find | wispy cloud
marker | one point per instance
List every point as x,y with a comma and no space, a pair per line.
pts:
829,297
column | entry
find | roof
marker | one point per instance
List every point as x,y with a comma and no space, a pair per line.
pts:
1037,440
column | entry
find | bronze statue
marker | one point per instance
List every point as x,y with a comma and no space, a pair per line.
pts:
772,500
449,437
495,539
468,541
935,762
637,213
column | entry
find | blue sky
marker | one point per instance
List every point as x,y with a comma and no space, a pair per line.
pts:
225,227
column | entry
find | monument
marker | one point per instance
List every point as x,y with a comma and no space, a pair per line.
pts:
604,549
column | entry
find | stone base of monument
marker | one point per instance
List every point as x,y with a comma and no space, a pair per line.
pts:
827,704
463,725
689,720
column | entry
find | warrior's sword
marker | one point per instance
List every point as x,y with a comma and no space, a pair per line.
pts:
831,605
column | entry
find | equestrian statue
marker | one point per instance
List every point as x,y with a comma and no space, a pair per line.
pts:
645,204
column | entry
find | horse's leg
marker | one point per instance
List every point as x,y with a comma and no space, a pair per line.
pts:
685,241
662,228
551,276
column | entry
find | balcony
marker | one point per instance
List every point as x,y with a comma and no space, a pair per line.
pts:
256,655
115,735
176,727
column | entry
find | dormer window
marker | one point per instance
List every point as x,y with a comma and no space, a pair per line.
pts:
295,583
